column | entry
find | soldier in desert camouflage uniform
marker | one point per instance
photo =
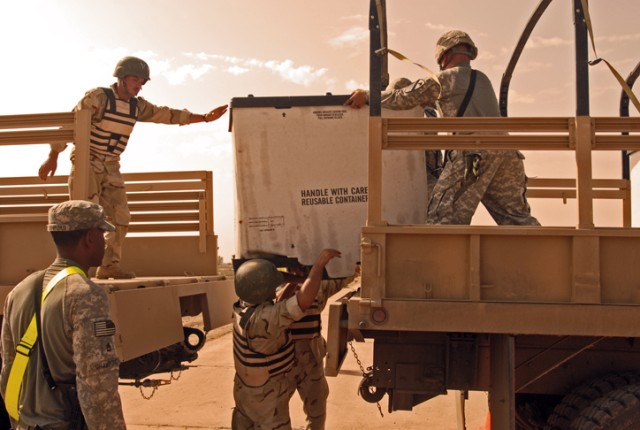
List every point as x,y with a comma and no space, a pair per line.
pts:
495,178
310,349
114,113
76,336
263,351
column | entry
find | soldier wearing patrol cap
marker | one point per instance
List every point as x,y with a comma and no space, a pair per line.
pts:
59,364
495,178
262,348
114,112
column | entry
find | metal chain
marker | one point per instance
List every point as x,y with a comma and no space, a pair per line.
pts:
153,391
149,383
364,373
353,349
175,378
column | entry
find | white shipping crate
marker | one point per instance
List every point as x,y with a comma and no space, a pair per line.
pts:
301,179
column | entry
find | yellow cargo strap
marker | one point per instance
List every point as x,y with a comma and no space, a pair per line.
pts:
401,57
25,346
619,78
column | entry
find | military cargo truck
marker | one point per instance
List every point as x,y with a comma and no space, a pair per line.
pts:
163,314
541,318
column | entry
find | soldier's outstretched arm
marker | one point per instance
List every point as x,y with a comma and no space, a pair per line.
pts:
212,115
311,285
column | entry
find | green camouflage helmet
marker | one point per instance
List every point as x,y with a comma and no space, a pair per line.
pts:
132,66
452,39
256,280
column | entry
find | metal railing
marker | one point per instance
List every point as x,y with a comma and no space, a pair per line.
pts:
580,134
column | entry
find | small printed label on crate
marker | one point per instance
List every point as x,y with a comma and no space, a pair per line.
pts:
266,223
330,114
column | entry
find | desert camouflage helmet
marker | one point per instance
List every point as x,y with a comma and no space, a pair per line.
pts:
454,38
256,279
132,66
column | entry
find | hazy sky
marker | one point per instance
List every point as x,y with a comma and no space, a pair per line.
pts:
203,53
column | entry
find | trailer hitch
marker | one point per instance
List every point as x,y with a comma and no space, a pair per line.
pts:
369,392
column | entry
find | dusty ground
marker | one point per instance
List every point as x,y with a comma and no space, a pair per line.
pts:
201,398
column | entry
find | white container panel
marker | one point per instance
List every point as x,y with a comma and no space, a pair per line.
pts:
301,182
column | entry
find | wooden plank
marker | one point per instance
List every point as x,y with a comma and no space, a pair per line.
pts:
554,319
33,180
56,119
8,218
141,187
164,227
165,217
163,206
36,191
35,137
165,176
38,200
164,196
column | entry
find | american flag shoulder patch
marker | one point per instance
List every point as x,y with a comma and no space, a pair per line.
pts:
104,328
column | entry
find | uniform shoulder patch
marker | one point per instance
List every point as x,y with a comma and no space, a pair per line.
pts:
104,328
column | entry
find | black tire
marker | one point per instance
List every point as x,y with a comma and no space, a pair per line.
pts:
618,410
583,395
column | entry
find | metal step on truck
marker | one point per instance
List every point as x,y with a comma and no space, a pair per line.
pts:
163,314
544,319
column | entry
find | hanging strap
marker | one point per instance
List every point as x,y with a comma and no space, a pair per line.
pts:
44,364
625,87
462,109
25,346
467,96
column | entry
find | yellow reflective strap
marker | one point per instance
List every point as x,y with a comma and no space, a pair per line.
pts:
623,83
25,346
619,78
587,20
401,57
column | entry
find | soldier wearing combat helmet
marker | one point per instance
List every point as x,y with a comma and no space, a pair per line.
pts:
455,42
114,113
495,178
74,337
262,348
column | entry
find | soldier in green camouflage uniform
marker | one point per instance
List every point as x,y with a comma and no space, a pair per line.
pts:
495,178
263,351
77,332
114,113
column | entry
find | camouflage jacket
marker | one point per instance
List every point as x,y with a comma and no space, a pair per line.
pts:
96,101
446,93
78,343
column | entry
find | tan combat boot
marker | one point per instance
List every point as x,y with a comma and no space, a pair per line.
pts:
113,271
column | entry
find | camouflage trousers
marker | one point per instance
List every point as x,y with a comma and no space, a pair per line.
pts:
262,408
434,164
106,188
308,377
499,183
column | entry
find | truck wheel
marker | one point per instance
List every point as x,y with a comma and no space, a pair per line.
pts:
583,395
618,410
